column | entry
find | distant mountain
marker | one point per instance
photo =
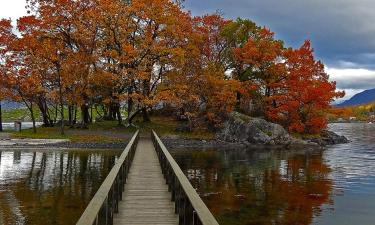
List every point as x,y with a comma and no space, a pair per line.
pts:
11,105
364,97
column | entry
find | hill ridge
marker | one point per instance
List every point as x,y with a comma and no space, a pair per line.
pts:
364,97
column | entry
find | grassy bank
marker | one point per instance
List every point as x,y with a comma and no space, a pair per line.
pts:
23,114
109,131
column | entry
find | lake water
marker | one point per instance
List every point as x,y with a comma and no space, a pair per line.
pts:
335,186
25,125
50,187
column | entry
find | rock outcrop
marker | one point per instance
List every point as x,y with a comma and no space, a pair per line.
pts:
248,130
329,138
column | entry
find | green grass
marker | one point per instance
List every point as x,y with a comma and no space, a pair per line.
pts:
10,115
109,131
167,126
72,135
305,136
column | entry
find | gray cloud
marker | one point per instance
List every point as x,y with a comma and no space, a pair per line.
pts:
354,79
342,31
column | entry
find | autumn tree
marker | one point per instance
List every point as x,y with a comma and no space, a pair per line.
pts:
199,87
145,53
67,38
1,99
305,95
17,82
5,38
140,43
261,61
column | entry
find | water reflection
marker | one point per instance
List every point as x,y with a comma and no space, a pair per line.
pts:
25,125
259,187
50,187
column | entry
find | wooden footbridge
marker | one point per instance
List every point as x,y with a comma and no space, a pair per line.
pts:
146,187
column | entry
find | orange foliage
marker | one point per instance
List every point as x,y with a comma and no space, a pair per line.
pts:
305,94
149,52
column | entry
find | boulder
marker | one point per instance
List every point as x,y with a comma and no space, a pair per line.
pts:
183,128
240,128
329,138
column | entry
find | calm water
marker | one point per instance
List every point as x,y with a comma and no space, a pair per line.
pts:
25,125
50,187
333,187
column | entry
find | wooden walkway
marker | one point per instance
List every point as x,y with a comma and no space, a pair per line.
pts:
146,199
135,192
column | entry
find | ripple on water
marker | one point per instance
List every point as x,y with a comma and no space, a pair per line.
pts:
43,187
332,187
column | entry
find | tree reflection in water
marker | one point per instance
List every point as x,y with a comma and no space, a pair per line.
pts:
50,187
259,187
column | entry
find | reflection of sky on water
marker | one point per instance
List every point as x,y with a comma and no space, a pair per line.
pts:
353,172
258,187
333,187
354,163
39,187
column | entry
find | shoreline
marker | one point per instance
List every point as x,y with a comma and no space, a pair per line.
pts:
180,143
171,142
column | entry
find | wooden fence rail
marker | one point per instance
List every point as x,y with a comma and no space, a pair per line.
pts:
105,202
188,205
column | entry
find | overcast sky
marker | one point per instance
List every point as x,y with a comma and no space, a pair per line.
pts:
342,31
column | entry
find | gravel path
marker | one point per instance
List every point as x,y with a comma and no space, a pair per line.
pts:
89,145
4,135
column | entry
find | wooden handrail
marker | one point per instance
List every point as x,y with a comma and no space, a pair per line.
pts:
105,202
188,205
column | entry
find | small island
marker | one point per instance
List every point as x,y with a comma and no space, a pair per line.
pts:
196,69
144,112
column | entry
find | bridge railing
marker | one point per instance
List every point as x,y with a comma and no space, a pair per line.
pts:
188,205
105,202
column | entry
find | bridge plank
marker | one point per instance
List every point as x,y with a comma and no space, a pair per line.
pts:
146,199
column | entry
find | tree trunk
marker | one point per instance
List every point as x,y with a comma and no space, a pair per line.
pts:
56,112
91,114
32,117
238,100
61,98
70,114
97,111
85,115
130,106
1,119
62,116
43,108
130,118
118,113
146,117
75,115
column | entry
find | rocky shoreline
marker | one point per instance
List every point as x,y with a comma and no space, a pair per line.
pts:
183,143
8,143
328,138
241,131
87,145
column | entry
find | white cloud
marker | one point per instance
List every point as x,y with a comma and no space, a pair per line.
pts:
350,75
12,9
352,81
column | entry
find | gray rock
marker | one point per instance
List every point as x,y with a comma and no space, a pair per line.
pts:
329,138
244,129
183,128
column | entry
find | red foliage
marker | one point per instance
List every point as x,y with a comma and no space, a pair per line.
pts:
305,94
